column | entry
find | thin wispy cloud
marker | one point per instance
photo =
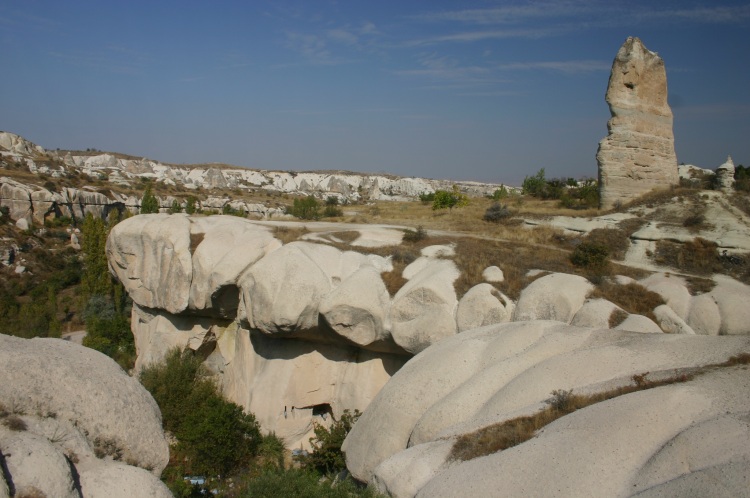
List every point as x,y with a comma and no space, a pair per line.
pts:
508,14
494,34
572,67
545,19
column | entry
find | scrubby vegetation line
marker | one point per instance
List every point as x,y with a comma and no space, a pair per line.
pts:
504,435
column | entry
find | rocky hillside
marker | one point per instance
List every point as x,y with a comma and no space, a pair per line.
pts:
108,181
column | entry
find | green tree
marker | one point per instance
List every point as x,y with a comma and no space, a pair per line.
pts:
190,205
149,202
445,199
96,278
306,208
176,207
106,309
534,185
332,210
326,456
214,435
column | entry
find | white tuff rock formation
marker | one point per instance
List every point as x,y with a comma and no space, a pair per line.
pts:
663,439
638,153
725,175
66,413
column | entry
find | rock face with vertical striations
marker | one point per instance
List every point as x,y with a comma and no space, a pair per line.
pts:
638,153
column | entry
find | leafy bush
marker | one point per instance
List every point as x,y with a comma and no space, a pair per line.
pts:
302,484
497,212
214,435
326,456
332,210
444,199
427,197
306,208
500,193
590,255
229,210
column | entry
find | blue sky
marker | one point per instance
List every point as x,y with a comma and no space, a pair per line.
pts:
471,90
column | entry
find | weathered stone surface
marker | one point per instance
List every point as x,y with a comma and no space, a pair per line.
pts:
483,305
594,313
732,298
493,274
121,481
557,296
725,175
704,317
34,464
358,308
150,255
488,375
404,474
228,247
423,310
282,292
291,384
639,323
638,153
672,289
157,331
670,322
54,376
678,440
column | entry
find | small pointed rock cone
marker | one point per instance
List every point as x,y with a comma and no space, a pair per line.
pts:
638,153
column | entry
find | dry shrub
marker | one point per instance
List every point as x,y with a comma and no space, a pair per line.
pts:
616,240
741,201
633,298
617,317
15,423
631,225
30,492
697,256
659,196
740,359
697,285
473,255
694,222
394,279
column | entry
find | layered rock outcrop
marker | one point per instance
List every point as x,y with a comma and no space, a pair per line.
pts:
126,171
638,153
640,441
73,424
293,332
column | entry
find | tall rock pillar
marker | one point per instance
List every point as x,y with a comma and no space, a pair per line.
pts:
638,153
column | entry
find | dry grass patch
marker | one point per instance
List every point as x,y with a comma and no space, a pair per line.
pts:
345,236
697,256
697,285
741,201
633,298
289,234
